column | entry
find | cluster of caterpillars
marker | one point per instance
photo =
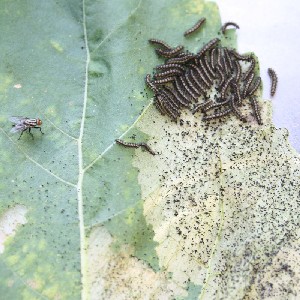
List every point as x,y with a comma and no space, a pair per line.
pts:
186,79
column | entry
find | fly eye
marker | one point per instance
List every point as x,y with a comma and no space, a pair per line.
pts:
39,122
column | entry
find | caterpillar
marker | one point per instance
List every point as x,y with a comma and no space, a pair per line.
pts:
239,56
195,27
201,88
221,75
186,87
208,46
225,66
169,53
135,145
180,88
171,101
192,86
163,80
159,107
255,86
160,43
200,74
202,105
274,80
171,72
238,70
212,58
170,111
247,84
223,28
170,66
216,105
219,58
147,147
217,115
256,109
182,59
132,145
150,84
204,70
236,111
225,87
228,58
208,67
177,97
250,69
237,94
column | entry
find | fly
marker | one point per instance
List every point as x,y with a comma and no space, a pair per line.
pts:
22,124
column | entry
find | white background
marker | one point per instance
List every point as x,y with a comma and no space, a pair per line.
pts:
271,29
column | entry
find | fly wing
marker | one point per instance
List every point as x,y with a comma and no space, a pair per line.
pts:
18,128
17,119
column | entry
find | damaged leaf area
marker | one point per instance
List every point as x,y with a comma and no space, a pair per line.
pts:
213,215
226,210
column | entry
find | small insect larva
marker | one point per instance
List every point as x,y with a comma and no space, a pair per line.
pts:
212,58
146,146
208,46
236,111
217,115
187,88
202,105
163,80
173,114
170,99
236,90
225,87
192,85
219,58
224,27
169,53
221,75
150,84
177,96
159,107
182,59
135,145
204,70
159,101
246,87
254,87
256,109
160,43
201,88
171,72
131,145
274,81
239,56
216,105
208,68
225,65
250,69
170,66
180,88
228,58
195,27
238,70
200,74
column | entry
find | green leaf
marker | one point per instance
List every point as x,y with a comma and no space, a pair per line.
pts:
214,215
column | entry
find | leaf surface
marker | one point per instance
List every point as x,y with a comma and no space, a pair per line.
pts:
214,215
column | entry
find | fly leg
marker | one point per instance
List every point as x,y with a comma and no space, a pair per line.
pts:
21,134
40,128
29,131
